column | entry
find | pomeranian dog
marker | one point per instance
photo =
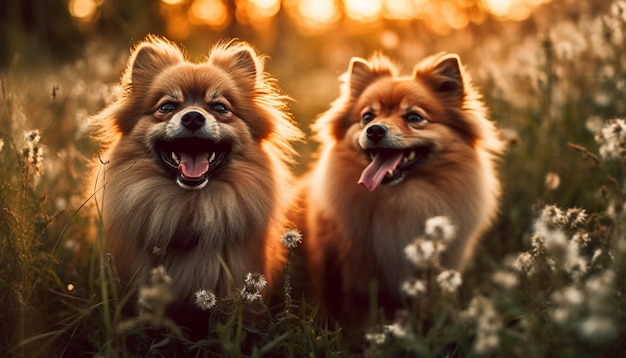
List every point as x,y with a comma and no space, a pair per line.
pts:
395,151
196,175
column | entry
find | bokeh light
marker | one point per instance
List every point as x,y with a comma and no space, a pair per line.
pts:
315,16
83,10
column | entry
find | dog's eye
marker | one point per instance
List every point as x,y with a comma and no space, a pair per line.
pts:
220,108
368,117
167,107
414,117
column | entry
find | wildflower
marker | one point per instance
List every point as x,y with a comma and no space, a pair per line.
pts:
488,324
505,279
551,218
254,283
397,330
291,239
154,298
413,287
524,262
575,217
421,252
376,338
440,228
449,280
205,299
33,151
612,139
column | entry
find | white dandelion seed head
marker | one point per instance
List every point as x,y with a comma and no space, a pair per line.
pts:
440,228
255,280
505,279
397,330
413,287
205,299
291,239
250,296
254,283
159,276
32,136
449,280
575,217
376,339
421,252
524,262
612,139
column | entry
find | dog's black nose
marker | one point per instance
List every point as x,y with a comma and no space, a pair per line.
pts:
193,120
376,132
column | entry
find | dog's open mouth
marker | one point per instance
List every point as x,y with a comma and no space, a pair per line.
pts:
194,160
389,166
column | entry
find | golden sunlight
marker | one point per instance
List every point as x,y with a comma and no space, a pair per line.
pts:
321,15
213,13
318,13
363,10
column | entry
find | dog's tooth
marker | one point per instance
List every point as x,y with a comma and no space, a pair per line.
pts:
175,158
405,159
411,155
212,157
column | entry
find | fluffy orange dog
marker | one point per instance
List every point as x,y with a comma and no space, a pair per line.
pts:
197,168
420,146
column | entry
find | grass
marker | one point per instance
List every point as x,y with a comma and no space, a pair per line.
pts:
548,279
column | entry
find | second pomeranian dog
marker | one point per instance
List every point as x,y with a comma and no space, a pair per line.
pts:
197,176
420,146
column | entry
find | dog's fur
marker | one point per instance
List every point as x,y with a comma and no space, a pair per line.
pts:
356,233
188,219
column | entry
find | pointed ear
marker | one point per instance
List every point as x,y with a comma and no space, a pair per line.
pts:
444,73
237,57
358,75
151,56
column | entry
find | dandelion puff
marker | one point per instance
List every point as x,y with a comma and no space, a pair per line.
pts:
376,339
153,299
397,330
255,280
254,283
449,280
440,228
33,151
524,262
488,324
413,287
612,139
420,252
505,279
291,239
575,217
205,299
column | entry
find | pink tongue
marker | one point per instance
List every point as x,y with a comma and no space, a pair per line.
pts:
374,174
193,166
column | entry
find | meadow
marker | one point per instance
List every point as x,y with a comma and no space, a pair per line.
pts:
547,281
